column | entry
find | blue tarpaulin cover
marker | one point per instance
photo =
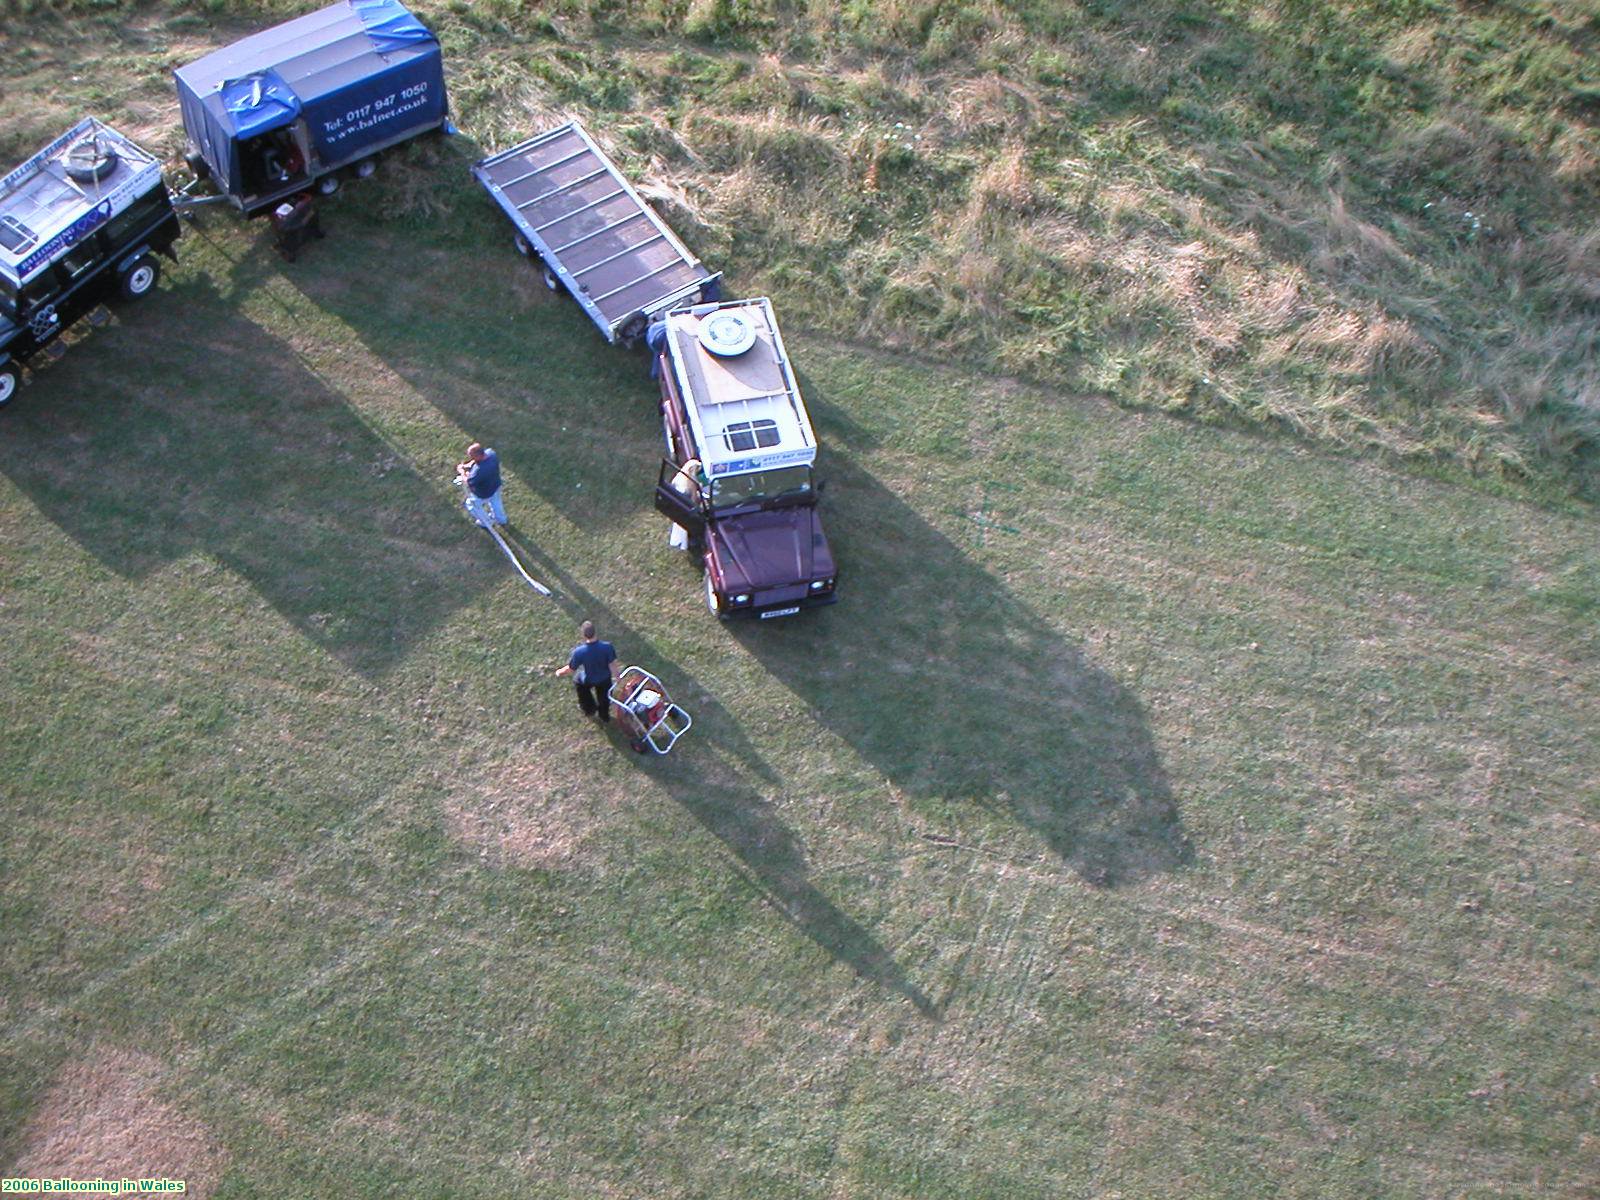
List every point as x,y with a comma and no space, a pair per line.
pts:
361,74
259,103
390,25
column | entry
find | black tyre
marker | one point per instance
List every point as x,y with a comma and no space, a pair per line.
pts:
139,278
327,185
197,164
10,381
551,279
90,161
522,246
713,605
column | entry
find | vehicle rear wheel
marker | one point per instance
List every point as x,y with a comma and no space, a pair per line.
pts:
10,380
367,168
327,185
139,278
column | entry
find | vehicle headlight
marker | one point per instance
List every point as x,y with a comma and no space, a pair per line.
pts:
742,598
818,584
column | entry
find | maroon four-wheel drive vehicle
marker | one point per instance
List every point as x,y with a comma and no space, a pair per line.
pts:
737,482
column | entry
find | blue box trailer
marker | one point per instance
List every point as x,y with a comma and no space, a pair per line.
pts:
293,106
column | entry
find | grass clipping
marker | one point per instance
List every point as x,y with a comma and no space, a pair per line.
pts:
103,1117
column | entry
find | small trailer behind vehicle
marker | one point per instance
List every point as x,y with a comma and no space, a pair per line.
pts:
297,106
80,222
592,233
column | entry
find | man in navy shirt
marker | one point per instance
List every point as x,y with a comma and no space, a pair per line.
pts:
481,474
589,664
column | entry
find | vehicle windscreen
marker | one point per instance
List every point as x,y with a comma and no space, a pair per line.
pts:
779,483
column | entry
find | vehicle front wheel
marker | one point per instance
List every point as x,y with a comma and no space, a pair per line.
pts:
713,603
10,380
140,278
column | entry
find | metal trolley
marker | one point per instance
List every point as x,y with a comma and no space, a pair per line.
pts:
646,713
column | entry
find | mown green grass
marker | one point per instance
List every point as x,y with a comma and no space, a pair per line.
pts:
1164,810
1368,224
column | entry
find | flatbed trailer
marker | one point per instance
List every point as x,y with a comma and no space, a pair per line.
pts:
592,232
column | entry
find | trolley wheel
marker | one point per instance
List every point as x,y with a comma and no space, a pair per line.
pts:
638,747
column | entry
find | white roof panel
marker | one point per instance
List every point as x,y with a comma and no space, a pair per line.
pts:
755,388
45,211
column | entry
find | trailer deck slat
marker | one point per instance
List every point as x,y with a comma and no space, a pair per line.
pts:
581,217
566,187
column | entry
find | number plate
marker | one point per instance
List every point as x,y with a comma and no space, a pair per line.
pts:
780,612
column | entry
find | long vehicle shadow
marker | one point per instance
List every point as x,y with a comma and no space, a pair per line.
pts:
960,694
708,787
224,443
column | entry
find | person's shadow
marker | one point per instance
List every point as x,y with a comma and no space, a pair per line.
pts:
146,449
961,695
703,775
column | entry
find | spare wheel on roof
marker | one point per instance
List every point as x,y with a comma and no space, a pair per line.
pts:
727,334
90,160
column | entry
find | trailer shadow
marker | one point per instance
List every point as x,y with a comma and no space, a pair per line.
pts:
707,785
961,695
148,447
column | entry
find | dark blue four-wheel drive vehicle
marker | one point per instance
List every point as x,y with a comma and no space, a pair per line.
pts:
298,106
80,223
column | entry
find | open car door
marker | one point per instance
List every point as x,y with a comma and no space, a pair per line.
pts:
678,498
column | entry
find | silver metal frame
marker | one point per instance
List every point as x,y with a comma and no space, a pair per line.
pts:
551,255
661,736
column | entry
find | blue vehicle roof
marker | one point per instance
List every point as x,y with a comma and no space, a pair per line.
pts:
261,82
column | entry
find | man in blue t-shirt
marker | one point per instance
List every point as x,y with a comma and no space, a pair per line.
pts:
481,475
589,664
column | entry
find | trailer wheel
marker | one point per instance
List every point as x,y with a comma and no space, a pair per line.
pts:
10,380
367,167
551,279
139,279
522,246
327,185
196,162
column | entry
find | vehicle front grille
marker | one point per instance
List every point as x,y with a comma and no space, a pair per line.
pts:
783,595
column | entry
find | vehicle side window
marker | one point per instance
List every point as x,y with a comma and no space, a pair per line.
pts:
79,259
137,217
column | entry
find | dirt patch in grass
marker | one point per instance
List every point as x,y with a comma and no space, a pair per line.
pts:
104,1116
539,809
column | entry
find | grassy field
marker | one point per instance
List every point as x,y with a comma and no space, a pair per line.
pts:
1164,811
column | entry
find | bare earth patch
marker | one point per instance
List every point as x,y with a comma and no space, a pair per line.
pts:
537,810
104,1117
